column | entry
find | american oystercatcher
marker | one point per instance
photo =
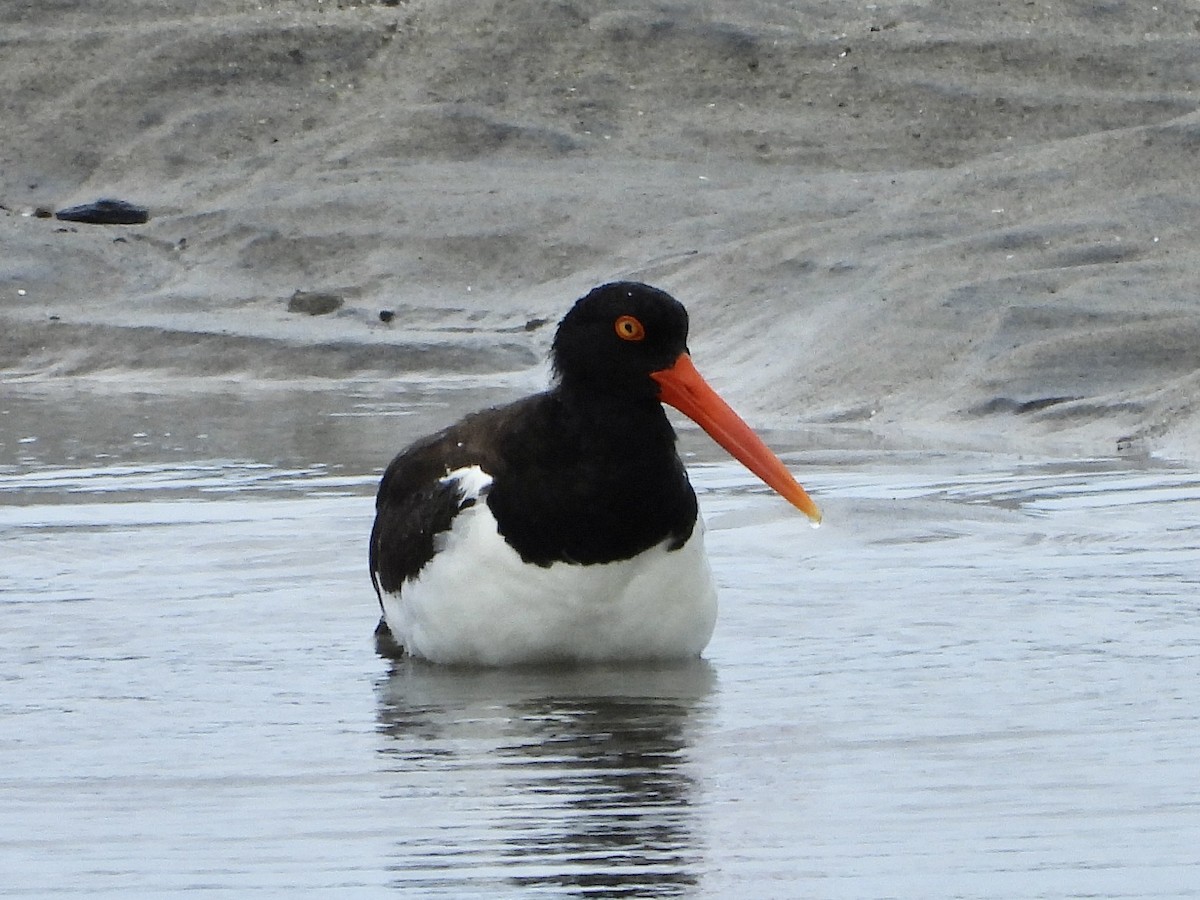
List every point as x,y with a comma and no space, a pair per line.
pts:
562,527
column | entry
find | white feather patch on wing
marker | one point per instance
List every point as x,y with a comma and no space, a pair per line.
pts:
473,483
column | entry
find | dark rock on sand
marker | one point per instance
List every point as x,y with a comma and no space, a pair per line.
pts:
106,212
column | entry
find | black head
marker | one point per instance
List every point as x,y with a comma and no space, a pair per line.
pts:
618,334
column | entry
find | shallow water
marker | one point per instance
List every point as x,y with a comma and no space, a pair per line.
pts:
980,678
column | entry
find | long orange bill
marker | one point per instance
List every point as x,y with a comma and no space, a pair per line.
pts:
684,388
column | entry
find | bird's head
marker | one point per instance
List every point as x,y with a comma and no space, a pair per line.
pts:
629,340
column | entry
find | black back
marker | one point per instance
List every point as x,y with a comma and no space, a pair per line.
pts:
585,473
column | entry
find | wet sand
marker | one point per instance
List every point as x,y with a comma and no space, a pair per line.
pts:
970,224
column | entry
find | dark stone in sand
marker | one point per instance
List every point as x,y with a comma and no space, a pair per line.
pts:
314,303
386,315
106,212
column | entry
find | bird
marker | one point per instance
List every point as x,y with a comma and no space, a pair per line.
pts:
562,527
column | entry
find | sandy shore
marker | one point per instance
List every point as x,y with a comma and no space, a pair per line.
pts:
964,224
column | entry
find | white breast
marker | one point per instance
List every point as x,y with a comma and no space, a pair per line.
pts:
477,603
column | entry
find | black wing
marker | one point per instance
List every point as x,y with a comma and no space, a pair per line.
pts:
416,503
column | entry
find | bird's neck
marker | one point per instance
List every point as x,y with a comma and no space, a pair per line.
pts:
597,480
620,420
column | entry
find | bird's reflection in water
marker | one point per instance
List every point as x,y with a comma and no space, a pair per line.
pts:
574,781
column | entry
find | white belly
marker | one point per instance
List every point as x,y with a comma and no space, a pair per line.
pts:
477,603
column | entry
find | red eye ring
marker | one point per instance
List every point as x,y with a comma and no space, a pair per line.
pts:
629,328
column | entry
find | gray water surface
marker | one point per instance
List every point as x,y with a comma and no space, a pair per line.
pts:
980,678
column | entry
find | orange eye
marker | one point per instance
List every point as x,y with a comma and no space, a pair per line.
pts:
630,329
